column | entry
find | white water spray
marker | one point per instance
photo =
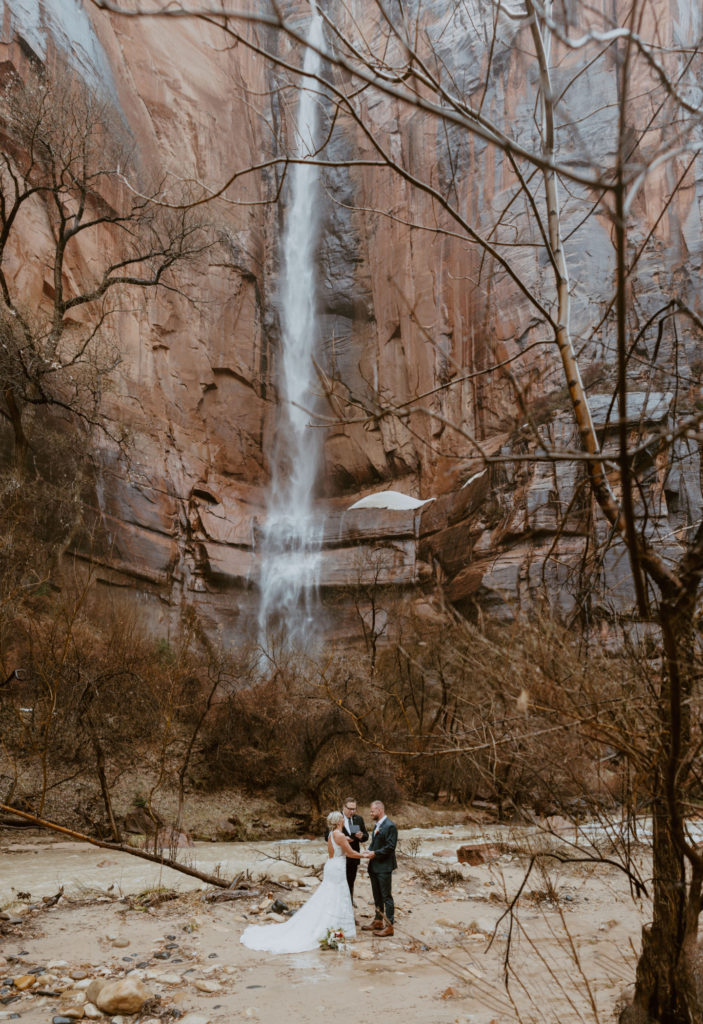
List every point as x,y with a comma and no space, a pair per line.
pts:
291,538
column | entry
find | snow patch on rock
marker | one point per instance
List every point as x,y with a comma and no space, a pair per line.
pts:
390,500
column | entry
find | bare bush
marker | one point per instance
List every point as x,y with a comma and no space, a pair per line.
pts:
281,735
90,703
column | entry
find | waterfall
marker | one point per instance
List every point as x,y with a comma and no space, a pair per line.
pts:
292,534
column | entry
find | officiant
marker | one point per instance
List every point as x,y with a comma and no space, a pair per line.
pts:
356,830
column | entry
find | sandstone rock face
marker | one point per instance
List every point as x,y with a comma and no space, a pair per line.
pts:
196,387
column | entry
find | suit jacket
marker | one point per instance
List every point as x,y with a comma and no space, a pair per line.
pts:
383,844
357,826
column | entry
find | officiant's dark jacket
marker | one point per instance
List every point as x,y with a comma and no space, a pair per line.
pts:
357,826
383,843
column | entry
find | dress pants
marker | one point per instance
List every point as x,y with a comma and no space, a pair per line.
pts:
352,868
381,885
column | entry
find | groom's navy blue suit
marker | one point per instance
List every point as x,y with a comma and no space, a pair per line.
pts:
381,867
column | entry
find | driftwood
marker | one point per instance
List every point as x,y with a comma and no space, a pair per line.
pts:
155,858
51,901
232,894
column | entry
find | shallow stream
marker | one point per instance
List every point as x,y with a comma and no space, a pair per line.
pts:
41,866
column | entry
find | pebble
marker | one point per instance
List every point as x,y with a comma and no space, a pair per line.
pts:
451,993
93,990
91,1011
78,975
119,941
57,965
166,979
363,954
24,981
203,985
61,1020
72,997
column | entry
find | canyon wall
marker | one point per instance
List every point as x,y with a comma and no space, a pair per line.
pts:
404,312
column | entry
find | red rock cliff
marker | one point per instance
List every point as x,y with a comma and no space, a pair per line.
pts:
403,313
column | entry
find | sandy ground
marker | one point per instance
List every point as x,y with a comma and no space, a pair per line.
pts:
572,943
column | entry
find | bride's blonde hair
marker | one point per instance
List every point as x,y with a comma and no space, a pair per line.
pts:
334,818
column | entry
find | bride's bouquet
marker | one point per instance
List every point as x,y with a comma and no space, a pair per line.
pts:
334,939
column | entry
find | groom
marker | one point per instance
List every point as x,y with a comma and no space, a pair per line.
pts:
382,864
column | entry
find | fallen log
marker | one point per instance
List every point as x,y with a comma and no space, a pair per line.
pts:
155,858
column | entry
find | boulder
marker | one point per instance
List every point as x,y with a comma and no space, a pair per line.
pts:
125,996
476,854
139,821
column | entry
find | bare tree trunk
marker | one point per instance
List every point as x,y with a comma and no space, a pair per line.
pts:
104,788
15,415
666,988
120,847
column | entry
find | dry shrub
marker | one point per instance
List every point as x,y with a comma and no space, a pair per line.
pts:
42,504
92,702
529,714
282,735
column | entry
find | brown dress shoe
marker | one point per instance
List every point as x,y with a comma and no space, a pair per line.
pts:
375,926
388,930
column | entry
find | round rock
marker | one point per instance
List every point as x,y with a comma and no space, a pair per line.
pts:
125,996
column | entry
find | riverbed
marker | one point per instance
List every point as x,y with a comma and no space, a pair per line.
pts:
573,939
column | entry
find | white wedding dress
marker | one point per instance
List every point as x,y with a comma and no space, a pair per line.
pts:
329,907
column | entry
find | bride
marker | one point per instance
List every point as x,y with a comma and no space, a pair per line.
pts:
329,907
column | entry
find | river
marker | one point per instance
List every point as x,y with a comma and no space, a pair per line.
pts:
41,865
